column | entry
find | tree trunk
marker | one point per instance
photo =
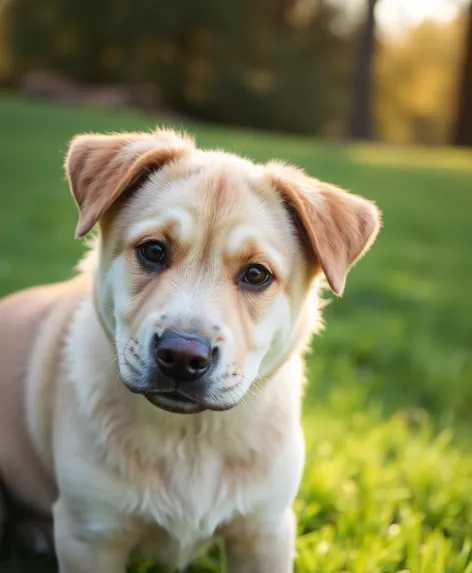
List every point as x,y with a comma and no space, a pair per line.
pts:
359,119
463,128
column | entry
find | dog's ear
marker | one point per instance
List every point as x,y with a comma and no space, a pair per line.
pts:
339,226
102,167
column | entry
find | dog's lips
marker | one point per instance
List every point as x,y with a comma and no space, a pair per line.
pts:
179,397
175,402
178,403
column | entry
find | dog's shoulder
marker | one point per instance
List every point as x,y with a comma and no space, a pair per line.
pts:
23,314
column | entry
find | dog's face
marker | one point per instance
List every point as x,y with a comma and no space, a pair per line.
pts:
206,261
206,279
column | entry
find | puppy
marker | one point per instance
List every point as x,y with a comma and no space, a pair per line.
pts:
153,401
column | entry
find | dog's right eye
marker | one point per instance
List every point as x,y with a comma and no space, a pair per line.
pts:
152,253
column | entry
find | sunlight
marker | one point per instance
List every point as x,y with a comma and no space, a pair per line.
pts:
393,16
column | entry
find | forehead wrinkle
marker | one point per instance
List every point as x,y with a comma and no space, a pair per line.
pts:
243,240
177,219
235,216
209,204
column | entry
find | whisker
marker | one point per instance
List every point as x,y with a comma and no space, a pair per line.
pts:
241,398
251,382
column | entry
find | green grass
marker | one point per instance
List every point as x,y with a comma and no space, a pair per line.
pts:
389,400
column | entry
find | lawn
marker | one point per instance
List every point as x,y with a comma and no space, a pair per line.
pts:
389,401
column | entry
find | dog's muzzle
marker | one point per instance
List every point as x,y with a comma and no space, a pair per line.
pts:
178,378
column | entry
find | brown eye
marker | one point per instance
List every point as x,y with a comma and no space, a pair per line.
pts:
256,276
152,253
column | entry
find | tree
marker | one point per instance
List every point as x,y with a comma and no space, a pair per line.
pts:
272,64
359,119
463,127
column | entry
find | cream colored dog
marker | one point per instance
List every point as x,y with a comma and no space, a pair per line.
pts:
199,297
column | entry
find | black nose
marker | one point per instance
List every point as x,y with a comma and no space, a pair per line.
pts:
183,356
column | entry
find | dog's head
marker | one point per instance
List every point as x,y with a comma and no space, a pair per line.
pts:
207,260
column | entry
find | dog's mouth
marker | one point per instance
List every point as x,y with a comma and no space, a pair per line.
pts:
175,402
179,402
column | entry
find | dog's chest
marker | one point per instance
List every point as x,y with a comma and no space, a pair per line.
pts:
193,497
195,489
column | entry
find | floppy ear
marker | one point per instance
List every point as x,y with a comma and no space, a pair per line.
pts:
102,167
340,227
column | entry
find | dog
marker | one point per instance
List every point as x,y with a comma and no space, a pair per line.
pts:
152,402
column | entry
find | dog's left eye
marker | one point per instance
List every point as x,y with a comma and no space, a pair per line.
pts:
152,253
256,276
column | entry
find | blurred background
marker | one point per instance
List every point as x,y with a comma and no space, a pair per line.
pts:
393,70
372,95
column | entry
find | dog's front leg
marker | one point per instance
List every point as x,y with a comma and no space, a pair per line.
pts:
81,552
253,547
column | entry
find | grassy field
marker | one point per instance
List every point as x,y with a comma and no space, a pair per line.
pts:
388,409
